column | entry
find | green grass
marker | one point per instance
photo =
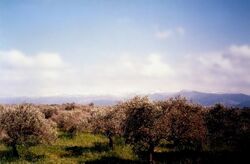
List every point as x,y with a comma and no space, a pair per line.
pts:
82,148
93,149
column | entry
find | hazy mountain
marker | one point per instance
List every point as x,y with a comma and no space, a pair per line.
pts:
206,99
244,104
100,100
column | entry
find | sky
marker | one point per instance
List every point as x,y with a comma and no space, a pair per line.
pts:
110,47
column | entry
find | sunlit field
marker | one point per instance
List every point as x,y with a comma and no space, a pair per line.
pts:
83,148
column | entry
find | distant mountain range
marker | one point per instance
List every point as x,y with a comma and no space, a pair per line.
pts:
99,100
206,99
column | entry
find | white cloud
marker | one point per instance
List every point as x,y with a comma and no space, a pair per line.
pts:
243,51
32,75
49,60
49,74
169,33
131,73
156,67
151,66
17,59
14,58
225,71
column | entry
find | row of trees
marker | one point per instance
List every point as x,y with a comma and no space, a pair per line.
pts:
175,124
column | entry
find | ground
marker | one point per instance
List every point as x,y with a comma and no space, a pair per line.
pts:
83,148
93,149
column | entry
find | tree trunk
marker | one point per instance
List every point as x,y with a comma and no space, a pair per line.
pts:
111,142
14,150
200,147
151,151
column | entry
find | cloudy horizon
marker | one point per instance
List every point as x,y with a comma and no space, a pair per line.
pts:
51,47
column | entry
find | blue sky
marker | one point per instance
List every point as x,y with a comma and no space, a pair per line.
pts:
52,47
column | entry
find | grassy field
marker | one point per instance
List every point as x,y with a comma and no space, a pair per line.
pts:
83,148
93,149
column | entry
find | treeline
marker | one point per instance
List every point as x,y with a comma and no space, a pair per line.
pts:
173,125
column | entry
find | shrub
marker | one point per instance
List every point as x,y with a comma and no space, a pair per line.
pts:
228,129
1,108
176,121
71,122
49,111
69,106
108,123
140,128
183,123
25,125
243,130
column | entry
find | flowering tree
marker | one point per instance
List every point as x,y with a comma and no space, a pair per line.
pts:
184,124
140,126
25,125
109,123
